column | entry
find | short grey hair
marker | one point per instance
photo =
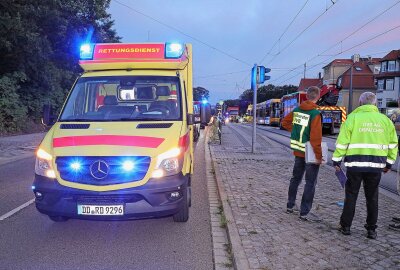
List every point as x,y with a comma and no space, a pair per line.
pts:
313,92
367,98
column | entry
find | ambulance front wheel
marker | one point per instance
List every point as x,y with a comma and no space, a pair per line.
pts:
58,218
183,214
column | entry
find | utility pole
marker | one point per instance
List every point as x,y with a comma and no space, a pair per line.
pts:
355,58
254,88
305,68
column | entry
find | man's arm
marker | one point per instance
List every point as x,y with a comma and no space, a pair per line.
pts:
393,148
287,122
316,136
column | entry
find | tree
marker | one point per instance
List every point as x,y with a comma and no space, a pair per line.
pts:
39,46
267,92
199,93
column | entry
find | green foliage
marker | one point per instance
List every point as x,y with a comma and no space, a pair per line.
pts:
12,113
39,46
232,102
267,92
199,93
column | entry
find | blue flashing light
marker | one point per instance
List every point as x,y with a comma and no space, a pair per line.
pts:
128,166
87,51
33,187
76,166
204,101
173,50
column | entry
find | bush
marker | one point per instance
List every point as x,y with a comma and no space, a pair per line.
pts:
12,113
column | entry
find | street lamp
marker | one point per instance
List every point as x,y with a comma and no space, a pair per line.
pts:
355,58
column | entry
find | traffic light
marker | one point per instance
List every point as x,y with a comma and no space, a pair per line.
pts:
261,74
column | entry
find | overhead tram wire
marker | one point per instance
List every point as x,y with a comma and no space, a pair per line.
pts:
305,3
302,32
357,45
284,32
348,36
183,33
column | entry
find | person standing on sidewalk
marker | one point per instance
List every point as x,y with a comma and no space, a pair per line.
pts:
305,125
367,142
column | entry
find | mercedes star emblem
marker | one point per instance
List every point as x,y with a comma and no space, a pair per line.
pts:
99,169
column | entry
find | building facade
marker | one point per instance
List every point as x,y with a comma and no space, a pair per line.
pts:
388,80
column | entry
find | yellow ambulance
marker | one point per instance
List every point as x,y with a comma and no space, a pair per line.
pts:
122,146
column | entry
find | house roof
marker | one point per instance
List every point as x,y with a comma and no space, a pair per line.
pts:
393,55
348,62
305,83
339,62
363,77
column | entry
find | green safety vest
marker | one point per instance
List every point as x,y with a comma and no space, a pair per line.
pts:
301,128
367,140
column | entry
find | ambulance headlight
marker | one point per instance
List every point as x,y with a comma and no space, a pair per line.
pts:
168,163
86,52
173,50
43,164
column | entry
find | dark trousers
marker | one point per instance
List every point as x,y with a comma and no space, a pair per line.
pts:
370,181
311,171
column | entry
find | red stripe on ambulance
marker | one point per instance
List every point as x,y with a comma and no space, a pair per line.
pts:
138,141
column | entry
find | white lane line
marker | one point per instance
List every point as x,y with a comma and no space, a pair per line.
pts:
19,208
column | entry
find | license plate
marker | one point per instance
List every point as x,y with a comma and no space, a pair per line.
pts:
101,210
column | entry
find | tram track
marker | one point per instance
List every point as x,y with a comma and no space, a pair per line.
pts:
329,162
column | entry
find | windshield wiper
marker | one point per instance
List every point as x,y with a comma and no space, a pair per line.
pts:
138,119
80,120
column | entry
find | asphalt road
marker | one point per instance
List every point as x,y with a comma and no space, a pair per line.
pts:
30,240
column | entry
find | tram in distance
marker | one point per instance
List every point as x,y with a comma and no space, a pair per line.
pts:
268,112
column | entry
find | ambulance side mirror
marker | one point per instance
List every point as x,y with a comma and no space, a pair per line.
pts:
48,118
190,119
205,114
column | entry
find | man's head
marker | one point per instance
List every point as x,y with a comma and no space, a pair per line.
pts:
313,93
367,98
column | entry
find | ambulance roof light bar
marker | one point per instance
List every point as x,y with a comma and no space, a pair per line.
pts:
86,52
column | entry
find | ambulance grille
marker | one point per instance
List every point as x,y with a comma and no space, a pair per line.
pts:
158,125
75,126
109,172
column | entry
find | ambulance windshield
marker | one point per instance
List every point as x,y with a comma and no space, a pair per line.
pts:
124,98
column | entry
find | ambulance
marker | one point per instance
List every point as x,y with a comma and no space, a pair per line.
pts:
122,145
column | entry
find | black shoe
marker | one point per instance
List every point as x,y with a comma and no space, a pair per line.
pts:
344,230
371,234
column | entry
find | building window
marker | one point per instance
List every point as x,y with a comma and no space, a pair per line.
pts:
392,66
380,84
389,84
383,67
379,103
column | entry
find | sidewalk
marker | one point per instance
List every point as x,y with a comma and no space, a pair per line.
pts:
17,147
256,189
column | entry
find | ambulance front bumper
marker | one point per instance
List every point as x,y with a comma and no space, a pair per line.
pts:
157,198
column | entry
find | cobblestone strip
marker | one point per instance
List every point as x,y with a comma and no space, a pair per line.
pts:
227,253
256,187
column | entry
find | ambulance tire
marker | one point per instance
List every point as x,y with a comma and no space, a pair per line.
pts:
58,218
183,214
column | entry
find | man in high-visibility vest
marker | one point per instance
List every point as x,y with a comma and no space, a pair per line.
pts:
305,125
368,144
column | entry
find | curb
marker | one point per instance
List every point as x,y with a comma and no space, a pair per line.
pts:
240,261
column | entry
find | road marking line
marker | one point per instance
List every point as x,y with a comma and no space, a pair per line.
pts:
19,208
